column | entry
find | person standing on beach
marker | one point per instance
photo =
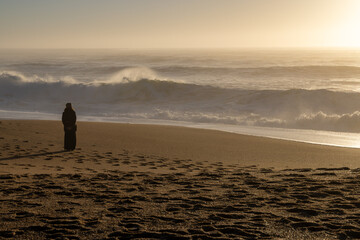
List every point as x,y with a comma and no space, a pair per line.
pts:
69,122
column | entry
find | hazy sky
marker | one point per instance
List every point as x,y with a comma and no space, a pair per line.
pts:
179,23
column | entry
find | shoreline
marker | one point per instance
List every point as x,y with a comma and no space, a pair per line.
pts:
189,143
311,136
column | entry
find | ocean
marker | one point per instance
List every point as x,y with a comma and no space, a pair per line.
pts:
310,95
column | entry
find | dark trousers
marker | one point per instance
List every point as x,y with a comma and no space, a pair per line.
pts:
70,140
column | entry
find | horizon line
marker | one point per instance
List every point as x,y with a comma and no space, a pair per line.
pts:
182,48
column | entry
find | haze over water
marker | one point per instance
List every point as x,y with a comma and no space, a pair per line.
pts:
291,89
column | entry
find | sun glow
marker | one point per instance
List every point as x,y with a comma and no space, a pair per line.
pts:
180,24
347,31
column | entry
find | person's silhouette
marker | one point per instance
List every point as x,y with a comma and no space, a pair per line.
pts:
69,122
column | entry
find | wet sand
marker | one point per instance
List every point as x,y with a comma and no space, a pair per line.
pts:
158,182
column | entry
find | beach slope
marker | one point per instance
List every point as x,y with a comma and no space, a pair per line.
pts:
128,181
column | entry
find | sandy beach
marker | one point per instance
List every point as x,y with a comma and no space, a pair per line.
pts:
127,181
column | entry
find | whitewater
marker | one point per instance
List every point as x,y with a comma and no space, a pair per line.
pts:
302,95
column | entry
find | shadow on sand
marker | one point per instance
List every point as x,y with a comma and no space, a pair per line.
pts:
31,155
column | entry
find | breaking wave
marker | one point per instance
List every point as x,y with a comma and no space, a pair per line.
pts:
140,93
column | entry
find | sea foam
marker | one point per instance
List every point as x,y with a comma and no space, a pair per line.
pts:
139,93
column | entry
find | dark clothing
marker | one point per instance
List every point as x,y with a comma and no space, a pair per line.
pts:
70,140
68,118
69,122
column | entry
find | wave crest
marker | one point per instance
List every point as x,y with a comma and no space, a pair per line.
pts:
139,93
12,77
132,74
